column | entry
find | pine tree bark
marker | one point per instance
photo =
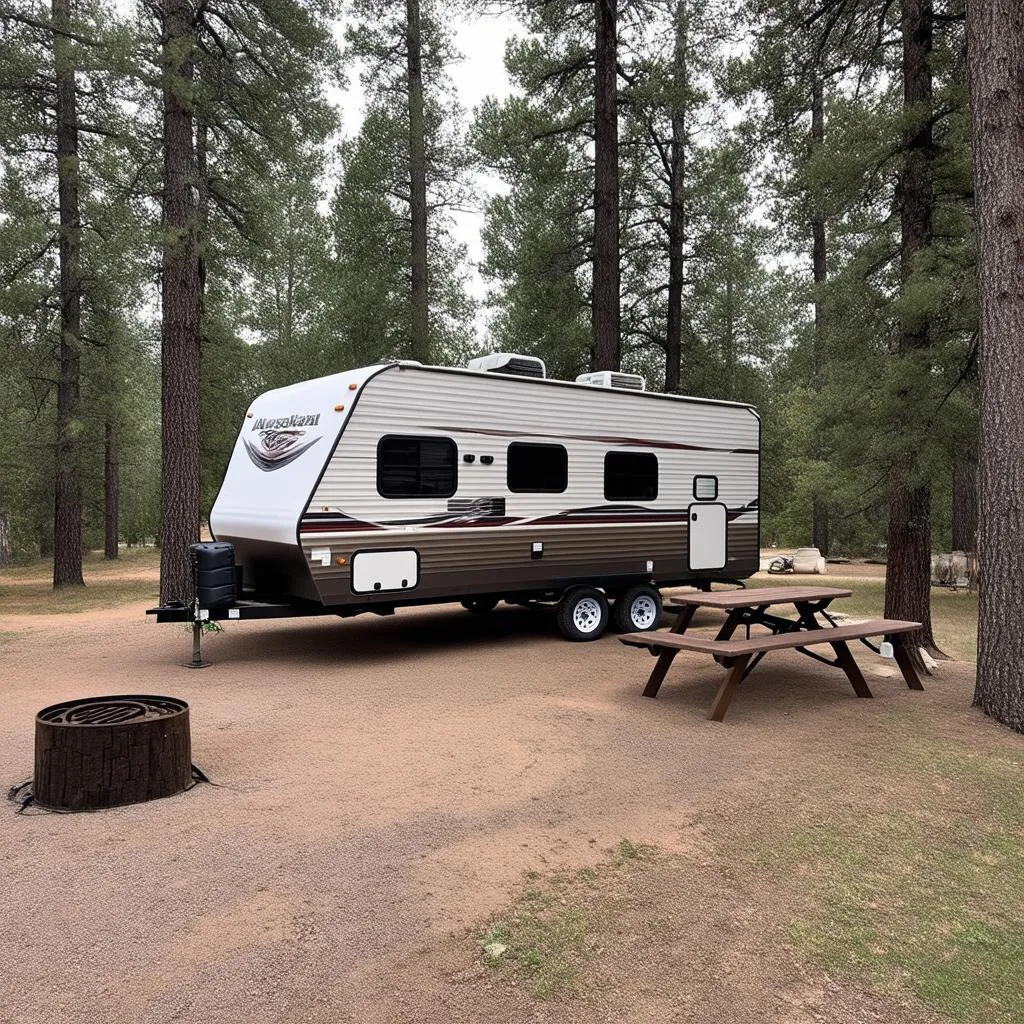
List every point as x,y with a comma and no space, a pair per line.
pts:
605,327
908,575
729,340
111,490
420,341
181,294
996,56
677,204
67,507
965,500
5,540
819,267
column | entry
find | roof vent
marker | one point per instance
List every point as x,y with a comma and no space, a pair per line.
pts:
509,362
613,379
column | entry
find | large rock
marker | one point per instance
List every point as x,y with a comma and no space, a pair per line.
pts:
808,560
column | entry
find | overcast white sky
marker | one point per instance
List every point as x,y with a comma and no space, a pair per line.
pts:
480,73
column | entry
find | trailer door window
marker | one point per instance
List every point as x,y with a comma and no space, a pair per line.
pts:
630,476
416,467
537,468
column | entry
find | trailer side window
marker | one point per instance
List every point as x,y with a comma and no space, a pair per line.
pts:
537,468
416,467
630,476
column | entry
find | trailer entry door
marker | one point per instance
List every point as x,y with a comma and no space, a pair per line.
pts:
707,536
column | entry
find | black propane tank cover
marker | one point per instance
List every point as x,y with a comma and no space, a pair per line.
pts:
212,554
216,597
222,577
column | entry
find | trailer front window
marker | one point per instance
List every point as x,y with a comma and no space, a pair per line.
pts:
416,467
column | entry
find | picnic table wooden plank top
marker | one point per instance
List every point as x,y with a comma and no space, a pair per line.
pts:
754,597
779,641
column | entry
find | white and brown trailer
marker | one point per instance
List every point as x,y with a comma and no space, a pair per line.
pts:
402,484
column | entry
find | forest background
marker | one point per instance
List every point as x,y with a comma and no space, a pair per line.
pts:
769,202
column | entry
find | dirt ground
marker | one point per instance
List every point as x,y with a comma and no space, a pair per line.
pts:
381,786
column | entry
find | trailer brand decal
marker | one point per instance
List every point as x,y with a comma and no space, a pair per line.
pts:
286,422
280,440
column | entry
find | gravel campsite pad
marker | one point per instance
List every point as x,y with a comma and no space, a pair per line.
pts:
392,795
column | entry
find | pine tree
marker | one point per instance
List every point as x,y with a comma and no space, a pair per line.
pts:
62,132
996,54
240,87
402,175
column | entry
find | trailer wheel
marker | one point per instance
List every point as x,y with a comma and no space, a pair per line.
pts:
583,614
480,605
637,610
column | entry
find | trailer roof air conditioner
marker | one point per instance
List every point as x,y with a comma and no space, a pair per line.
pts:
613,379
509,362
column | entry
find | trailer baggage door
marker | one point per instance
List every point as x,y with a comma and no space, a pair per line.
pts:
707,527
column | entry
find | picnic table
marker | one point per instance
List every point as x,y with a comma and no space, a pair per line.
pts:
750,607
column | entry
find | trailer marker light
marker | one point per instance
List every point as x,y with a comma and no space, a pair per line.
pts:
352,387
341,561
248,415
339,408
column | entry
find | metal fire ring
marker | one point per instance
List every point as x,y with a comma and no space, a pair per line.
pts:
114,710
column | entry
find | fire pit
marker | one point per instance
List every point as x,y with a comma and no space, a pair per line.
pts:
108,751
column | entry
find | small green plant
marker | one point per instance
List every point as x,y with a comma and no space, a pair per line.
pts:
627,850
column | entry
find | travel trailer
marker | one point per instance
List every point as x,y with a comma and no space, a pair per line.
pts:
402,484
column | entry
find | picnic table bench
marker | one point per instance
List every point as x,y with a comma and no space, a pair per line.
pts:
748,608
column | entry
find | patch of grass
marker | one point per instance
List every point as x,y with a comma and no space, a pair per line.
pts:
627,850
42,599
129,560
8,636
954,613
550,934
929,896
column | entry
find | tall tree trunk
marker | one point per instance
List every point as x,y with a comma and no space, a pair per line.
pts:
5,540
965,500
420,348
67,507
179,496
677,203
908,576
729,340
819,264
111,490
605,307
996,56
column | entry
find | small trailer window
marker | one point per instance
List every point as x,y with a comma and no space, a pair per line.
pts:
416,467
705,488
630,476
537,468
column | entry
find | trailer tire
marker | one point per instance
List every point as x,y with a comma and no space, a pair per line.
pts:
637,610
480,605
583,614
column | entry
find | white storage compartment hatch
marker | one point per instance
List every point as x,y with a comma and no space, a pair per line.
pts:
374,571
